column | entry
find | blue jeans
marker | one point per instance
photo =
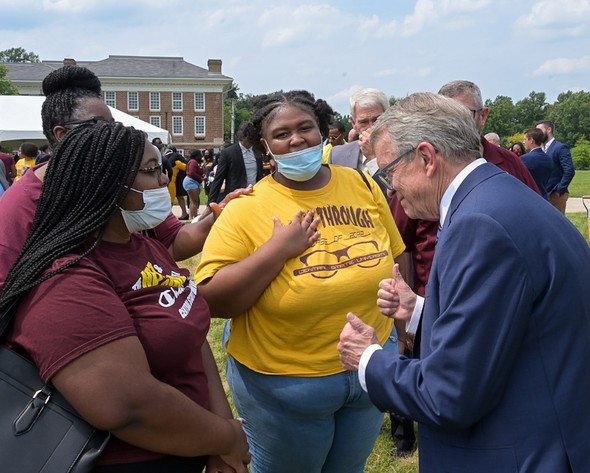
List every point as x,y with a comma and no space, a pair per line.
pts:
296,424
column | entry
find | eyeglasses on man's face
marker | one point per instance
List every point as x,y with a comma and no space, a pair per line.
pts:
475,112
385,175
335,138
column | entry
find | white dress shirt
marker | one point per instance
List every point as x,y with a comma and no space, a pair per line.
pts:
412,325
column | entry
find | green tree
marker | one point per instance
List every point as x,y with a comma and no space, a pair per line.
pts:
517,137
502,117
571,115
530,110
18,55
581,154
6,87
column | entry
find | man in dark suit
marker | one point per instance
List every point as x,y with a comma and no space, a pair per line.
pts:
240,165
563,167
365,107
502,383
536,160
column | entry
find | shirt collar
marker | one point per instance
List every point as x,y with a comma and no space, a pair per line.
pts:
372,166
546,145
447,197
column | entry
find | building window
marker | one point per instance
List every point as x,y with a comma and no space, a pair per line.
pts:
200,126
154,101
199,101
156,121
177,128
132,100
177,101
111,99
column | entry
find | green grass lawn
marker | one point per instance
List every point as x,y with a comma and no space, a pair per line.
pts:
580,185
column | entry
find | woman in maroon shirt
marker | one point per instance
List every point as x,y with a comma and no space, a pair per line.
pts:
192,182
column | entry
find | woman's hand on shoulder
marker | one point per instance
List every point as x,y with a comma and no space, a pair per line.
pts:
216,209
298,235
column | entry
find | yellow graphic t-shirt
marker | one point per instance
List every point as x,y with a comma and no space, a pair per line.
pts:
22,165
294,327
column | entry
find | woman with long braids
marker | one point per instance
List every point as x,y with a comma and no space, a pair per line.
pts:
73,97
110,319
303,411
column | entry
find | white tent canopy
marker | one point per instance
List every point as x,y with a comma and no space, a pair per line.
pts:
20,121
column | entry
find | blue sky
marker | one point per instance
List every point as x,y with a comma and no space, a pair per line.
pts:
329,47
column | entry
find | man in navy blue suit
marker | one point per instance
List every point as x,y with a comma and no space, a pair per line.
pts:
536,160
563,166
503,382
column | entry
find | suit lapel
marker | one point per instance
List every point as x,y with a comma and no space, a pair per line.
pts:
479,174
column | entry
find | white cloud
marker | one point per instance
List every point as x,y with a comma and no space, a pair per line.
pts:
428,12
287,25
563,65
567,14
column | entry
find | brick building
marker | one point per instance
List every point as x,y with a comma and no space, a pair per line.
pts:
168,92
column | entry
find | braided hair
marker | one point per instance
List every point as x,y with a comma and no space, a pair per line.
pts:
65,90
86,180
266,106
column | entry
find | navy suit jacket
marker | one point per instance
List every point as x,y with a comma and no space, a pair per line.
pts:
503,384
563,167
541,166
232,170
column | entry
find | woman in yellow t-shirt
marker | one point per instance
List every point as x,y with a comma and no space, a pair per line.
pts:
287,293
27,156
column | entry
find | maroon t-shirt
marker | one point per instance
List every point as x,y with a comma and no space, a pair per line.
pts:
120,290
8,161
17,209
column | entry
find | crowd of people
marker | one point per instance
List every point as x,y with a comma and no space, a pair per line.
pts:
417,269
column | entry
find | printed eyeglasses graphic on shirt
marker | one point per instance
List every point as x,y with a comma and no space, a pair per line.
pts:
385,175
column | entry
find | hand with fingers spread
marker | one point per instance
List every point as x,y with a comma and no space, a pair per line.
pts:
355,337
395,298
297,236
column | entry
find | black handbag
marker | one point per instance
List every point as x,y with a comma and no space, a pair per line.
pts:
40,432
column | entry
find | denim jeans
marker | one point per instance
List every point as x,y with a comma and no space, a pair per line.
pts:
296,424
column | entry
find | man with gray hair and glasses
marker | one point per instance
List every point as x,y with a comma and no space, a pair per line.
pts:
502,383
366,106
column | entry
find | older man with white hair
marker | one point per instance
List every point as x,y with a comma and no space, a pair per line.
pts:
366,106
506,319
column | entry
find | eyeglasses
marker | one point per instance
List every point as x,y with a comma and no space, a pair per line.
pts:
385,175
474,112
87,121
155,170
334,138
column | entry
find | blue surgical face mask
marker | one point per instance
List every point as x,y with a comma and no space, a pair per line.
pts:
156,208
300,165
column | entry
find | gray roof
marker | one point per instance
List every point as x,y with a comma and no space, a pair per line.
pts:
119,66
